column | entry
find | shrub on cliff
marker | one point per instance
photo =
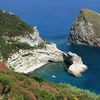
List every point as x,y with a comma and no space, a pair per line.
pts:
12,25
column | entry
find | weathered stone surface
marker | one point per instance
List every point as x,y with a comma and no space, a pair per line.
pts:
28,60
32,39
86,29
76,67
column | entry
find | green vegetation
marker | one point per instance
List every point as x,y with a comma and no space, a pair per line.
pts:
12,25
17,86
7,48
38,79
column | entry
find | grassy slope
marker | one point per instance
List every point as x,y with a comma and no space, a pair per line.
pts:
16,86
12,25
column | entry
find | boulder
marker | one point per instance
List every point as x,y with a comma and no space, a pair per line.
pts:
76,67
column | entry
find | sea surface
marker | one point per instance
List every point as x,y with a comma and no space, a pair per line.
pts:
54,19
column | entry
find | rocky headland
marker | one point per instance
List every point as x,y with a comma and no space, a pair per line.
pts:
23,50
86,29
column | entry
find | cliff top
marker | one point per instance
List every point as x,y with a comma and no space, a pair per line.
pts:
12,25
93,18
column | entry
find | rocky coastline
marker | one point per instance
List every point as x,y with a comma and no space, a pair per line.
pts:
23,50
26,61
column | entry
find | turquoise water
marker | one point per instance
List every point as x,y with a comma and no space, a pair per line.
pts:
90,79
61,76
54,19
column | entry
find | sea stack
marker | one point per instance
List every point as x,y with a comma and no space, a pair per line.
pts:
86,29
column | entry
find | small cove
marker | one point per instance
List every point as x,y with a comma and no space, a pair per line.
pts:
90,79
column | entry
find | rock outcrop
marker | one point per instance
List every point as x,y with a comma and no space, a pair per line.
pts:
86,29
15,34
29,60
26,61
32,39
76,67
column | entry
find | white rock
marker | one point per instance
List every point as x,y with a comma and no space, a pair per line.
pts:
77,67
29,60
32,39
26,61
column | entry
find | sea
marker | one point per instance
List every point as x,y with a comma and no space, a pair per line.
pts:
54,19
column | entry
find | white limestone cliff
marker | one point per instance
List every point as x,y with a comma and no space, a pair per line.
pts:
26,61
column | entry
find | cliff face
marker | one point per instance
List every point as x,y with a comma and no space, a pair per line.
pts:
29,60
15,34
86,29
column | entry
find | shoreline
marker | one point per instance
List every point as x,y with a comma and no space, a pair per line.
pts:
30,69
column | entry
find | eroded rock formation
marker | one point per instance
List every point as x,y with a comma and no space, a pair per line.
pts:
86,29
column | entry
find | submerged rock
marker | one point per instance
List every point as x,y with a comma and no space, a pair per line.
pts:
86,29
53,76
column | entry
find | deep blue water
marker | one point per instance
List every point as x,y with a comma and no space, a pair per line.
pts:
54,19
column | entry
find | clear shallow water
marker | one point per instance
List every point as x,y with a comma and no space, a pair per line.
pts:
54,19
